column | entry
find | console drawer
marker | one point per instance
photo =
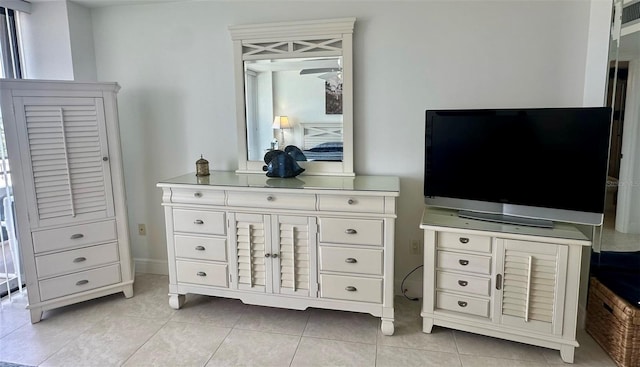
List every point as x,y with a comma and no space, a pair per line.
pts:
351,260
468,305
271,200
466,242
75,260
201,273
351,231
463,283
351,288
74,236
197,196
362,204
198,221
79,282
201,248
464,262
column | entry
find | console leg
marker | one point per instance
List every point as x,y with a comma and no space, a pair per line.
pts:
427,325
566,353
387,327
176,300
128,291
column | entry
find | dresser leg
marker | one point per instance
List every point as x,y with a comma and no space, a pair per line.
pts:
176,301
36,315
128,291
427,325
566,352
387,327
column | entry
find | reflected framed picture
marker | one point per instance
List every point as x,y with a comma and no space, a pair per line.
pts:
333,98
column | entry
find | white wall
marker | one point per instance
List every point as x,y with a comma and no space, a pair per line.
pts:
174,62
81,39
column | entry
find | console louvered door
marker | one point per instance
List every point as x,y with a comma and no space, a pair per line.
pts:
252,234
532,290
69,159
296,239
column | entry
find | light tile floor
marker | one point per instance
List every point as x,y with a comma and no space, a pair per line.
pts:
209,331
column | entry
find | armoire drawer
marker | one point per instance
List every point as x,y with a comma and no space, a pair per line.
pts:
351,231
199,221
76,260
465,242
197,196
271,200
201,248
351,260
463,283
79,282
457,303
464,262
202,273
351,288
74,236
355,203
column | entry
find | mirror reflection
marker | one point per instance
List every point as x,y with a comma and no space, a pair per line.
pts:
294,102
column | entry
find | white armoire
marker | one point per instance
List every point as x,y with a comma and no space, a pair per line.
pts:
63,143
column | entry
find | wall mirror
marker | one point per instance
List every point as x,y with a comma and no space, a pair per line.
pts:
294,87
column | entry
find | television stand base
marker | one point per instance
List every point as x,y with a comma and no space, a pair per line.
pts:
507,219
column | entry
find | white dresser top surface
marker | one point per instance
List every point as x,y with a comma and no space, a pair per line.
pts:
389,184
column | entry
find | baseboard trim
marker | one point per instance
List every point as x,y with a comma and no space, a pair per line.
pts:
151,266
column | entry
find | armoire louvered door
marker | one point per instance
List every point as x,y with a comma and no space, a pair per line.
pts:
532,292
68,155
252,244
296,242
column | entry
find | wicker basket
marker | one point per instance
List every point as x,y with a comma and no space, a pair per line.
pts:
615,324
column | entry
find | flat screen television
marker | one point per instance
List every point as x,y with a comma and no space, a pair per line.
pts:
523,166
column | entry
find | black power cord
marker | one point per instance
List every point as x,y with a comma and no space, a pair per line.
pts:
404,291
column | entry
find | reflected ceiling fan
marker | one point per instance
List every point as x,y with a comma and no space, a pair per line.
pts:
333,75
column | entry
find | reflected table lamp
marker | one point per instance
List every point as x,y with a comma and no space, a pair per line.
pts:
280,123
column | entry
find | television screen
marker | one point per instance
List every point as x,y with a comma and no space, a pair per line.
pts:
552,158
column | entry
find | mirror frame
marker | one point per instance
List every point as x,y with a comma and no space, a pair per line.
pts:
282,40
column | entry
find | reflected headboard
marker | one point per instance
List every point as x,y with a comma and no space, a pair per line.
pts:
314,133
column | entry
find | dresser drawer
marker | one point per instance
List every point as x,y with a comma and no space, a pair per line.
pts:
201,248
464,262
351,288
351,231
464,242
362,204
74,236
76,260
271,200
79,282
467,305
198,221
202,273
463,283
197,196
351,260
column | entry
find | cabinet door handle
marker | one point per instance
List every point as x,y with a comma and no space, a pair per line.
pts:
351,201
198,221
499,281
82,282
463,262
267,255
462,303
275,256
350,260
350,288
201,274
79,259
200,248
198,194
105,158
464,240
463,283
76,236
350,231
270,198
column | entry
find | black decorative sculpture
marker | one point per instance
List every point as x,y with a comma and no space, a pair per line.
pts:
281,164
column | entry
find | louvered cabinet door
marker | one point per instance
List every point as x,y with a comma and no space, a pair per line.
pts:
532,291
69,174
252,234
295,265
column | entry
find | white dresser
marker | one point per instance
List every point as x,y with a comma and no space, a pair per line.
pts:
63,142
506,281
309,241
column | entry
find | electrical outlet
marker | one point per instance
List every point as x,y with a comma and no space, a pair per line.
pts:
142,230
416,249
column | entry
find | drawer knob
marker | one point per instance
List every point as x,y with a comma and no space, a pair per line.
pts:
79,259
82,282
463,262
200,248
351,201
350,231
464,240
76,236
270,198
350,288
201,274
463,283
462,303
350,260
198,221
198,194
